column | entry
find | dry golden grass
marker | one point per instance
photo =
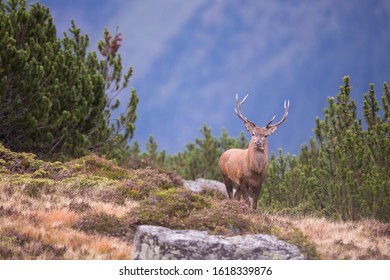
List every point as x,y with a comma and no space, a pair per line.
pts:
58,218
42,227
111,209
366,239
54,228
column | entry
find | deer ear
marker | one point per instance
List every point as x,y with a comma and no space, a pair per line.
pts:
271,130
250,127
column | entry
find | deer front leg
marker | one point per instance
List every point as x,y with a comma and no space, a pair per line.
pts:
237,194
243,190
255,197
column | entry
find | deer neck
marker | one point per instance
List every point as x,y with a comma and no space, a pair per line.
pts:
257,159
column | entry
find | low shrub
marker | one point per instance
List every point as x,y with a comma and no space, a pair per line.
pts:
168,208
15,245
105,224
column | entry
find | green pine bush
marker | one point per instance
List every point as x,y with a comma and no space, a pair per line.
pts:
56,99
344,172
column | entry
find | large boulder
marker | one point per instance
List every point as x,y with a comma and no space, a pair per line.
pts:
200,185
159,243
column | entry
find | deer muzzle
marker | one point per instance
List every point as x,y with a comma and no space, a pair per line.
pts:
258,145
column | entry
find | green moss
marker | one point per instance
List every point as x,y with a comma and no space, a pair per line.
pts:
27,184
88,182
77,167
95,165
4,170
137,189
181,208
146,182
168,208
36,187
19,162
94,187
57,165
153,178
27,163
178,202
40,173
219,219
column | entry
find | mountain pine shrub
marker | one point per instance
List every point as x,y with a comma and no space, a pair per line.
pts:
344,172
56,98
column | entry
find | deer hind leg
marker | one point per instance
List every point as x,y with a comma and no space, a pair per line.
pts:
229,187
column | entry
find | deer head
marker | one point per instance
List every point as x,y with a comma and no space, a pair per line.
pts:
260,134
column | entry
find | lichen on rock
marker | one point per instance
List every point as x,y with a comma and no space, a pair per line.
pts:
159,243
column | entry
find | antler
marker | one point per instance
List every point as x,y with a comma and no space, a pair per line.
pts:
286,106
238,112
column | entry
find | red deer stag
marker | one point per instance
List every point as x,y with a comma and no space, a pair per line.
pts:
245,170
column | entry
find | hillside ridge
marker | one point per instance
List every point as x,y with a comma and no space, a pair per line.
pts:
89,208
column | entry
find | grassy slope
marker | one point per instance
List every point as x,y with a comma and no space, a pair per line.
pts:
89,209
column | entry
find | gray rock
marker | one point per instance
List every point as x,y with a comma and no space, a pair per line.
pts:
203,184
159,243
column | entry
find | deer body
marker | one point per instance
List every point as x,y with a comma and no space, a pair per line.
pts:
245,170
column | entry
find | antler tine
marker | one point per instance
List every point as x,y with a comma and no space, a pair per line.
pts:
238,110
243,100
240,103
268,124
286,106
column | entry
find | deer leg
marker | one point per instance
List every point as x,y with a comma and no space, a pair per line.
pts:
255,197
229,187
237,194
245,194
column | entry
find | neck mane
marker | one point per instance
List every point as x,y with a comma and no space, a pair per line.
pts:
257,159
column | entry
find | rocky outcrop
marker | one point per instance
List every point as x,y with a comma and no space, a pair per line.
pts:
201,185
159,243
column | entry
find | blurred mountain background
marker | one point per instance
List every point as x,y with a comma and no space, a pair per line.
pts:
190,58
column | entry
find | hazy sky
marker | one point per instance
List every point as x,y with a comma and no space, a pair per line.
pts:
190,58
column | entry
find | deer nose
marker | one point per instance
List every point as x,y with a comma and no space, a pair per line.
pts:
257,142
